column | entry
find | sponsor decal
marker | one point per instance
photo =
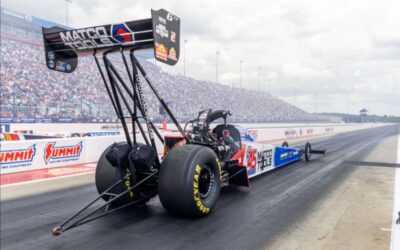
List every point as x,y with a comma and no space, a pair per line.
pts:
128,183
51,55
162,20
86,38
264,159
121,33
142,99
310,131
53,154
109,127
62,66
17,157
173,37
109,133
284,156
290,133
172,54
287,155
251,156
196,194
162,30
51,64
97,37
161,52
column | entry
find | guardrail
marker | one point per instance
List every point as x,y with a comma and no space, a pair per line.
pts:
19,156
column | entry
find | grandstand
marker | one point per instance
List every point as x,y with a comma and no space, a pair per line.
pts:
31,92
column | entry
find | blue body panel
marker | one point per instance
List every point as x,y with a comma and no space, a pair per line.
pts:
285,155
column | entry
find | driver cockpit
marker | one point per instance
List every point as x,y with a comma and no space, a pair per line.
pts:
226,134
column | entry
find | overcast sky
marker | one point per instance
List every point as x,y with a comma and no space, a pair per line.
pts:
332,50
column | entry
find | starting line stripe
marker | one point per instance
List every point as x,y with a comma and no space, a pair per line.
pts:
395,241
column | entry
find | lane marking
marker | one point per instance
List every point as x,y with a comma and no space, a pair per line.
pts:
395,242
44,179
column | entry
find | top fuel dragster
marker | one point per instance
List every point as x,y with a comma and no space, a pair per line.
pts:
195,163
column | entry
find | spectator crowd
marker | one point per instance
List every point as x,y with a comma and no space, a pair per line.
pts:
30,90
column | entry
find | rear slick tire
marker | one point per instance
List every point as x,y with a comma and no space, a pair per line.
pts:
190,181
106,175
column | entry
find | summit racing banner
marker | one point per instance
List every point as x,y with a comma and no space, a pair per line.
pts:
13,158
52,153
18,156
62,47
23,156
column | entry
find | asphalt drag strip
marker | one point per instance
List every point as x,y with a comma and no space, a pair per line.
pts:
288,208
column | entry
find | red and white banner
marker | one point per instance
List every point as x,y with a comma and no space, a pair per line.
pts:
18,156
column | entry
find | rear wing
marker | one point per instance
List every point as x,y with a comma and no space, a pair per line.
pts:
161,31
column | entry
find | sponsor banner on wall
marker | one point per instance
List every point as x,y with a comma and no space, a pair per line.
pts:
54,120
18,156
4,128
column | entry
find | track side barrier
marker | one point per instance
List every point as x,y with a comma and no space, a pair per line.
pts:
19,156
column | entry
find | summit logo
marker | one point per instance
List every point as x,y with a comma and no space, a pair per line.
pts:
18,155
51,152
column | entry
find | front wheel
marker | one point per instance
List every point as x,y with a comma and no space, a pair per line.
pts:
307,151
190,181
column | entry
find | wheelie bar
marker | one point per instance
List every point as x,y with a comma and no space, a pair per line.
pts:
85,219
321,152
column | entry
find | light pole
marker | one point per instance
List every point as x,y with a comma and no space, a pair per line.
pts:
184,57
66,11
216,67
294,96
259,76
315,103
240,73
269,83
347,104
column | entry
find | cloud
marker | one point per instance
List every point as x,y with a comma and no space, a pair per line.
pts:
335,49
298,70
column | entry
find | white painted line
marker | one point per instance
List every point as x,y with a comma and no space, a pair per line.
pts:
45,179
386,229
395,242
